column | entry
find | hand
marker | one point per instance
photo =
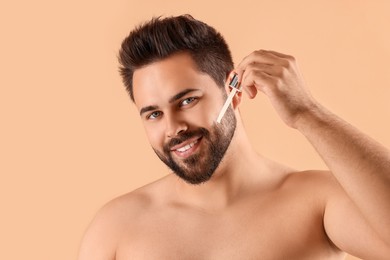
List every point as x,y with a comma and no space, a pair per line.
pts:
276,75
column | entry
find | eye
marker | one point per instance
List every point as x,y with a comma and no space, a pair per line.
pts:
154,115
188,101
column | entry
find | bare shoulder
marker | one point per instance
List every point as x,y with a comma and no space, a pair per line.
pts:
315,186
106,229
135,203
343,223
319,180
312,175
307,180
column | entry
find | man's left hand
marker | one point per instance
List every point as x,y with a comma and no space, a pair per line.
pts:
276,75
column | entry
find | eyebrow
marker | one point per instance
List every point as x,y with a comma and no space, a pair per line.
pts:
146,109
171,100
181,94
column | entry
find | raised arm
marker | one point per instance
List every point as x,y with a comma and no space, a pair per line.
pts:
360,164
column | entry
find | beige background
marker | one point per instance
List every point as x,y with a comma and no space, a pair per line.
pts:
70,139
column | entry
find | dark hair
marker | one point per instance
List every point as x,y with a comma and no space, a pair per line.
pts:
162,37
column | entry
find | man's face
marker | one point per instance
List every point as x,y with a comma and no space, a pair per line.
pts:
178,106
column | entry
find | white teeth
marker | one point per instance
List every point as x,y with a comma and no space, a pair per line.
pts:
188,146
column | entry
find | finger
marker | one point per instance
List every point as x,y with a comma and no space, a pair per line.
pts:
270,69
260,57
251,91
256,80
281,55
256,56
285,60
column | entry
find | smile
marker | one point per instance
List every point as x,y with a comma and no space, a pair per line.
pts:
185,150
188,146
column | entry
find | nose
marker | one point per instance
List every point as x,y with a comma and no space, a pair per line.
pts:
175,126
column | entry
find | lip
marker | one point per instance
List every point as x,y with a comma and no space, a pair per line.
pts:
185,143
188,152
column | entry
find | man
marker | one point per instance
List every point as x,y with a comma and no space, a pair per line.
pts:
225,201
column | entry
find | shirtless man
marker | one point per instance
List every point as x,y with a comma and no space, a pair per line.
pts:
224,200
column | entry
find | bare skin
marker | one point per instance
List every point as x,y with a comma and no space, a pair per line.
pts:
252,207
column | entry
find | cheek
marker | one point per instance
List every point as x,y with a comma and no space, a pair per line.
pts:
196,117
155,136
206,114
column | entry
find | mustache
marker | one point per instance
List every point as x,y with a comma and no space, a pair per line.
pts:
201,132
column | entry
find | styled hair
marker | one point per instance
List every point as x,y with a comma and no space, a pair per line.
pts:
162,37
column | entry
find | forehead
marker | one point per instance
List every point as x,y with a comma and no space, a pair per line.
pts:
159,81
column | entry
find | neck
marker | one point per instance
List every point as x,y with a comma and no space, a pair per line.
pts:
239,169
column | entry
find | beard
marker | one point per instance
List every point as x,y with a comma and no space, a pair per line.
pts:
199,167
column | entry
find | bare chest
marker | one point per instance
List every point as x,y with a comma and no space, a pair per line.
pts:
273,228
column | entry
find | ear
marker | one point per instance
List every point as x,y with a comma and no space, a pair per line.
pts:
237,100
